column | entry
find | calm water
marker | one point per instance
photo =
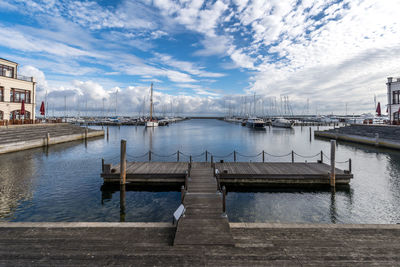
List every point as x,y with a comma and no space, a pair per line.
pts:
63,183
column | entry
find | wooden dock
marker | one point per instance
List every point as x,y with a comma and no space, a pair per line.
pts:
20,137
150,244
233,173
203,222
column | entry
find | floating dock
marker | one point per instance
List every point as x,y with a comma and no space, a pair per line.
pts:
20,137
151,244
233,173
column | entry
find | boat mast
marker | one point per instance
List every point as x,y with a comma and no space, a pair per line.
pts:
151,102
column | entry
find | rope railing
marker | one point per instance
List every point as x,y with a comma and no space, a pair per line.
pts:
308,157
249,156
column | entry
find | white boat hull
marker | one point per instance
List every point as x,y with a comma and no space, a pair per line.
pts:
151,124
282,124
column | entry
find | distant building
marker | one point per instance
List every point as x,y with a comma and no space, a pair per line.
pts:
13,89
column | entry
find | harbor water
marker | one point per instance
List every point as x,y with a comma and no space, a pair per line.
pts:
63,183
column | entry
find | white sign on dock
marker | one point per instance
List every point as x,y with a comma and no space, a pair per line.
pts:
178,213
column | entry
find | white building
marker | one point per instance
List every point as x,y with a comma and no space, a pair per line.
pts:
13,89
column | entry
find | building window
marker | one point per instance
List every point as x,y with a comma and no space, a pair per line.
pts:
1,94
396,116
15,115
17,95
6,71
396,95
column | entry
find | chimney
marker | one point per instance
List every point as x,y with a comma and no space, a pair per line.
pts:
390,79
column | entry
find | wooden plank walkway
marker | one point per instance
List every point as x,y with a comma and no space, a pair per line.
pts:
150,244
203,222
240,173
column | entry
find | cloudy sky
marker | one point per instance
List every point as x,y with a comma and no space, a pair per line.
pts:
205,56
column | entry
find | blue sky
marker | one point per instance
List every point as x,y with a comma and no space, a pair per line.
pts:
205,56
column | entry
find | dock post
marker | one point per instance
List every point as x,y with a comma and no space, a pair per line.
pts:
102,165
322,156
186,180
263,156
190,159
86,133
292,156
206,156
224,199
122,201
122,174
177,156
349,165
212,159
182,193
234,155
377,139
310,135
47,139
107,133
333,147
149,155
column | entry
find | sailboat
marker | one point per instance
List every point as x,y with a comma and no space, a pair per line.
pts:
151,122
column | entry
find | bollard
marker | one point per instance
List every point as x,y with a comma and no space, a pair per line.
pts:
263,156
102,165
333,152
234,155
322,157
177,156
292,156
47,139
182,193
122,174
206,155
149,155
223,199
349,165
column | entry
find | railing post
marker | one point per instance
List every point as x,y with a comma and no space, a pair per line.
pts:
149,155
349,165
234,155
177,156
292,156
310,135
86,133
186,180
206,155
322,157
212,159
189,168
182,193
107,133
333,154
102,165
263,156
190,159
224,199
122,173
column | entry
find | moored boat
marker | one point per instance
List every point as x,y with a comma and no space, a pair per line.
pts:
283,123
255,123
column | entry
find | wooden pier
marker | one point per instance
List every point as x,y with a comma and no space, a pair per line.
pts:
20,137
204,221
151,244
234,173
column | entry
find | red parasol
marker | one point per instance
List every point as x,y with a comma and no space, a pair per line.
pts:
22,108
42,109
378,109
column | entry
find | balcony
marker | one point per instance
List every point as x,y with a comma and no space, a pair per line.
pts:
19,77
